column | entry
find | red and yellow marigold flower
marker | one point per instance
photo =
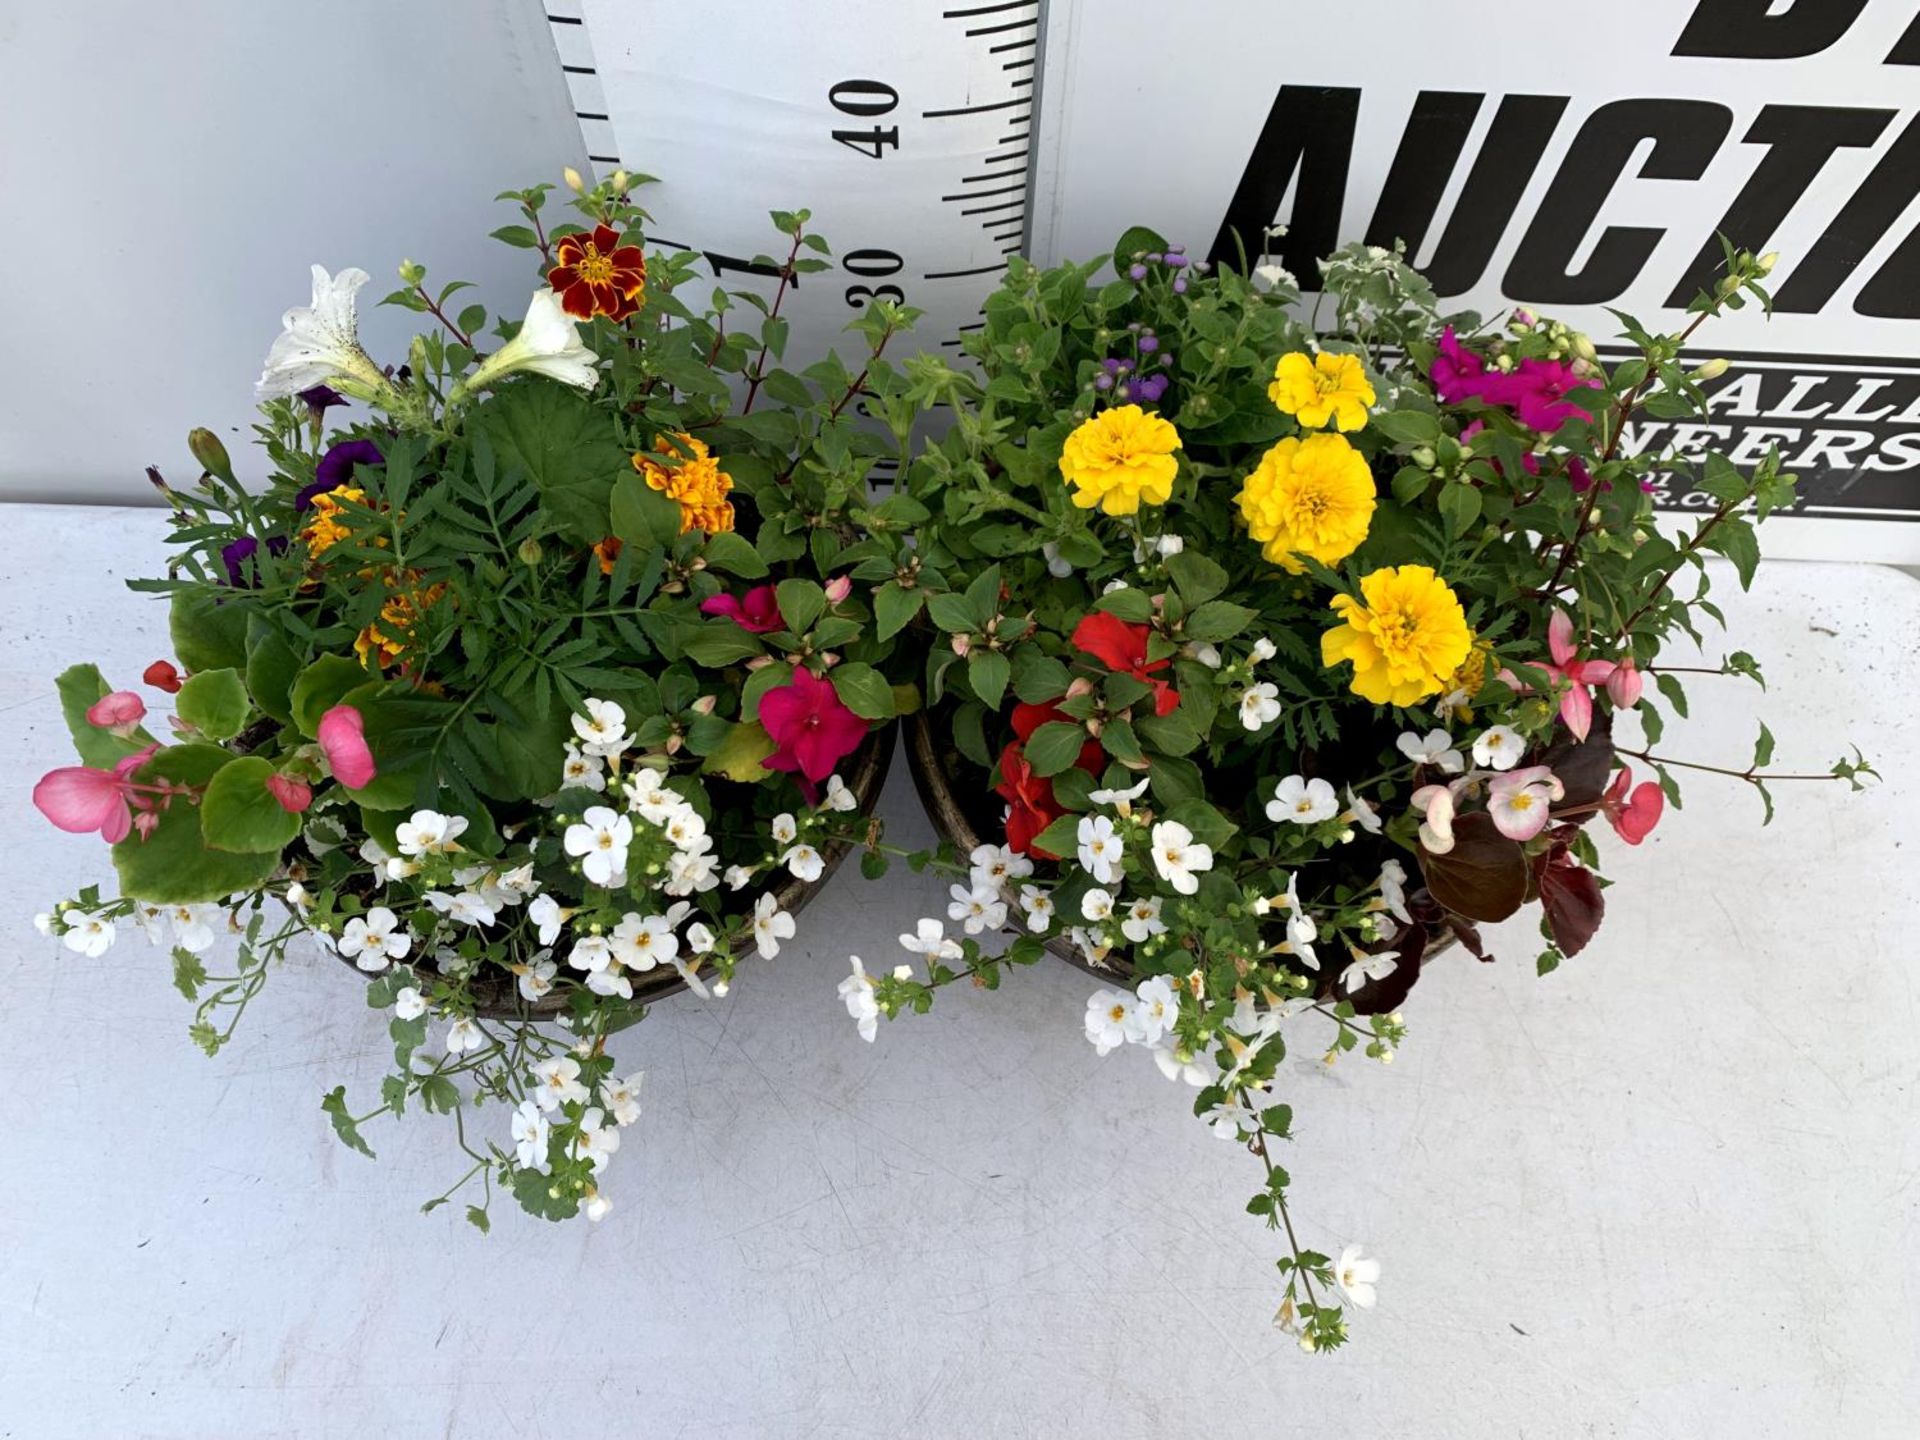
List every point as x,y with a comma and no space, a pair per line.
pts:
1321,388
1311,497
385,642
331,515
598,275
686,474
1407,639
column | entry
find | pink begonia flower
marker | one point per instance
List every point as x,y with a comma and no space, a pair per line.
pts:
1436,831
1576,704
811,729
81,799
121,712
343,737
1520,801
1633,816
758,611
1625,685
293,793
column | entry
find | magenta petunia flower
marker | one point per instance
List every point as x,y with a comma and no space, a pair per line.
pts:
758,610
811,729
1537,392
1457,371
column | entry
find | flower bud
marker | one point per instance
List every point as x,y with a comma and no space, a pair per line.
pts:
1423,456
411,273
572,177
1625,685
961,643
838,589
211,454
620,181
1767,261
1713,369
1583,347
530,552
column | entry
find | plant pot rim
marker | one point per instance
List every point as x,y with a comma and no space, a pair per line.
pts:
498,994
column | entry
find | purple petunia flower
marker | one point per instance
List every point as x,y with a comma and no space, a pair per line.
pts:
319,398
336,469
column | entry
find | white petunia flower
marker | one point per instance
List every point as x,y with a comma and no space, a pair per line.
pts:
996,866
642,942
931,941
977,907
783,829
622,1097
1498,748
771,925
1096,905
430,833
464,1035
375,940
1157,1008
603,729
409,1003
581,771
1433,748
838,796
857,992
319,344
611,980
531,1131
1303,801
556,1082
1178,857
1259,705
804,862
88,934
1357,1276
686,831
1038,906
1100,848
466,908
1143,920
596,1141
600,840
547,344
1110,1019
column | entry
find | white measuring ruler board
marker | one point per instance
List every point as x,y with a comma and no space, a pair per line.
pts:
905,126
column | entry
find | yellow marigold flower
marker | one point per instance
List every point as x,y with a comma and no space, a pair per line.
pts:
1119,458
1316,389
1309,497
327,528
1466,682
1405,642
384,642
692,478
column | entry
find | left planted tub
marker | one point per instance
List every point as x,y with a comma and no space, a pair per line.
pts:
524,676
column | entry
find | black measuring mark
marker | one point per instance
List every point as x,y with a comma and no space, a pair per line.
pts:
1032,42
1001,29
1018,64
988,9
1019,204
974,109
959,274
982,194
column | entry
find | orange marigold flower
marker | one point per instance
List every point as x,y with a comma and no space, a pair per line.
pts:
607,551
599,275
693,479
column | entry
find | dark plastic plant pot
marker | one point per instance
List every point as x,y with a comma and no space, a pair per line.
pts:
497,993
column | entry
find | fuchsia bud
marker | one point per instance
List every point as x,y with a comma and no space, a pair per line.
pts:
1624,686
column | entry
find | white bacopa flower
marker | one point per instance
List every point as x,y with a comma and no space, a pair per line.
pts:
590,953
838,796
192,926
1433,748
1205,651
1038,906
1156,1009
738,877
513,886
771,925
603,729
997,865
1109,1019
1100,848
622,1097
319,344
649,796
1121,800
1096,905
596,1204
857,992
375,940
536,977
692,872
930,940
1178,857
783,829
1498,748
1197,1071
699,938
600,841
643,942
430,833
1303,801
1367,967
597,1140
88,934
464,1035
1393,890
1143,920
804,862
1363,814
1264,650
686,831
409,1003
531,1132
548,915
1357,1276
1259,705
611,980
466,908
1057,566
556,1082
977,908
581,771
547,344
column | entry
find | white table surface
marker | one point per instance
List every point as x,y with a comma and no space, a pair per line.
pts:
1669,1191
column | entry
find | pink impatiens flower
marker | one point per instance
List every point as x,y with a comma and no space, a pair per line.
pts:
1634,815
1520,801
342,735
757,611
811,729
121,712
81,799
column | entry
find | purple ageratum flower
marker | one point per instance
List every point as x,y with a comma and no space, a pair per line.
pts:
1137,272
237,554
336,469
1149,343
1149,388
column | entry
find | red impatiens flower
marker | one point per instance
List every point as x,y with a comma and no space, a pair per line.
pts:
812,730
598,275
1030,803
1029,717
1120,646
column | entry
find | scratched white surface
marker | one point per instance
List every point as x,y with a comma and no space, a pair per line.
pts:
1669,1191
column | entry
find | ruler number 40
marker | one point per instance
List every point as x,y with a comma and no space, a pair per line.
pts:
865,99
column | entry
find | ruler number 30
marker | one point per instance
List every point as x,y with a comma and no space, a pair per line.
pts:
869,99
